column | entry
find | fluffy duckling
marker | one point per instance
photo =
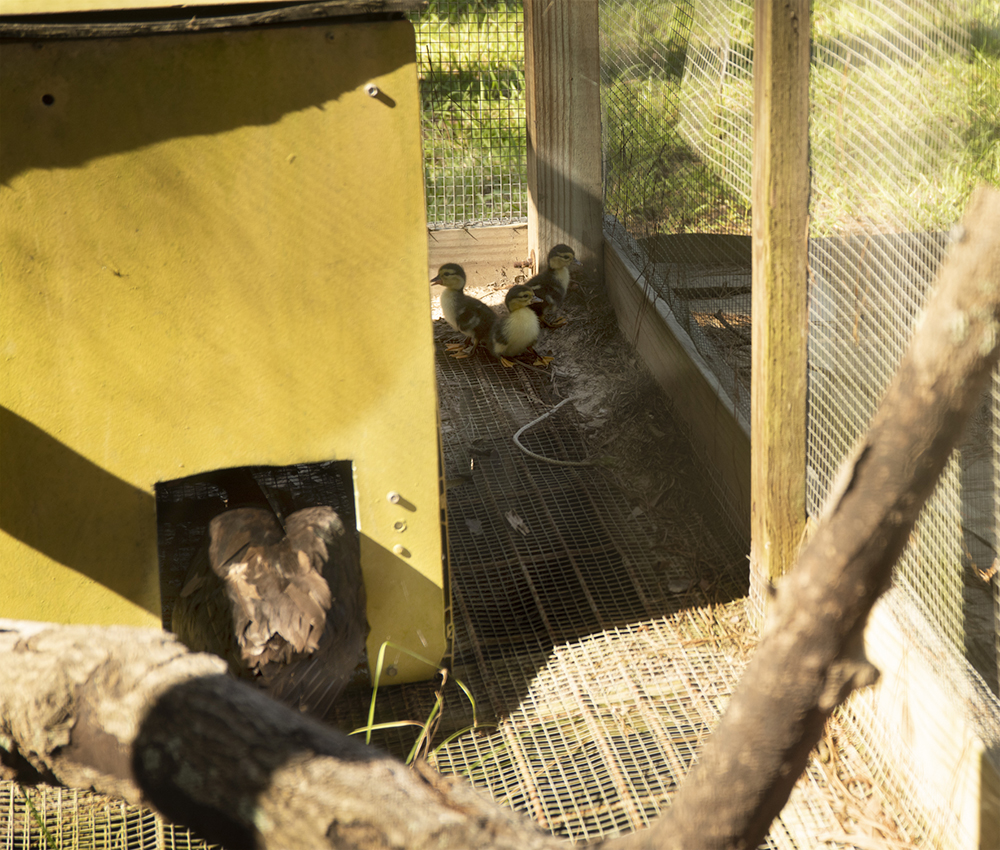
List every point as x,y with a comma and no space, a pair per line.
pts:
550,285
517,332
467,315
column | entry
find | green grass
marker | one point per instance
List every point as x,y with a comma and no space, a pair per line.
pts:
894,145
899,145
429,726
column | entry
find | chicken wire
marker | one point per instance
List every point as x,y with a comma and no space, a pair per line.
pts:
594,683
676,204
470,60
592,664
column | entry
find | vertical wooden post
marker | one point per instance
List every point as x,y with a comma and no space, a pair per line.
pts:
780,312
562,71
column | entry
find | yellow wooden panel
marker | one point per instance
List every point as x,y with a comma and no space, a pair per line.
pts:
213,254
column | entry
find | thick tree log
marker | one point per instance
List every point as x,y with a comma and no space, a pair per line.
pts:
811,655
130,712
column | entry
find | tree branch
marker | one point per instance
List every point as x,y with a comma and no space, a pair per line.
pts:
811,655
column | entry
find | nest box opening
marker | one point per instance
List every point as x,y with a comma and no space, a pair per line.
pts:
185,507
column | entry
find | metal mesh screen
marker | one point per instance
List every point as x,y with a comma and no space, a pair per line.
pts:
597,664
64,819
470,59
595,669
902,126
895,103
185,506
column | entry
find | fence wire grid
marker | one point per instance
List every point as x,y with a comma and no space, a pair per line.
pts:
47,818
470,60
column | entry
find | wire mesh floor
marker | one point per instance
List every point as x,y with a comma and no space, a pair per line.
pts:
598,657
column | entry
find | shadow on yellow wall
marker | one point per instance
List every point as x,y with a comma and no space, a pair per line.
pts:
195,93
71,510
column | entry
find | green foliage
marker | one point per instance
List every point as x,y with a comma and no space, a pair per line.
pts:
903,121
428,728
655,180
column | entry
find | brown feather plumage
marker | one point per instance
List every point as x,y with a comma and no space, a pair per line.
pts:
284,606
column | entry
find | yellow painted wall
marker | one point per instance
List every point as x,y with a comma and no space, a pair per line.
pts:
213,254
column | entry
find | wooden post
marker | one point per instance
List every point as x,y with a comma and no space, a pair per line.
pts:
562,79
780,312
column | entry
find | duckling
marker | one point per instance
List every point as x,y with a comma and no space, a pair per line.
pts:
551,285
467,315
517,332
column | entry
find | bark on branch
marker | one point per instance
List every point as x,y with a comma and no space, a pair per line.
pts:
811,655
130,712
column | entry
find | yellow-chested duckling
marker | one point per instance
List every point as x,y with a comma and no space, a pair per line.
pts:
551,284
467,315
517,332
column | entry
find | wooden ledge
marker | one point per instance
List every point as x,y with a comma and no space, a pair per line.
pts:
123,18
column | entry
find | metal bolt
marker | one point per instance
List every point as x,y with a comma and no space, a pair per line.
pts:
399,525
371,90
399,549
393,497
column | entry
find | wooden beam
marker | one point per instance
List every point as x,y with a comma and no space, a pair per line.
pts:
721,434
945,751
486,253
780,317
562,81
189,14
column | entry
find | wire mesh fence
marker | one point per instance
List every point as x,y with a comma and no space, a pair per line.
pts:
904,122
594,688
901,129
470,60
596,668
676,198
